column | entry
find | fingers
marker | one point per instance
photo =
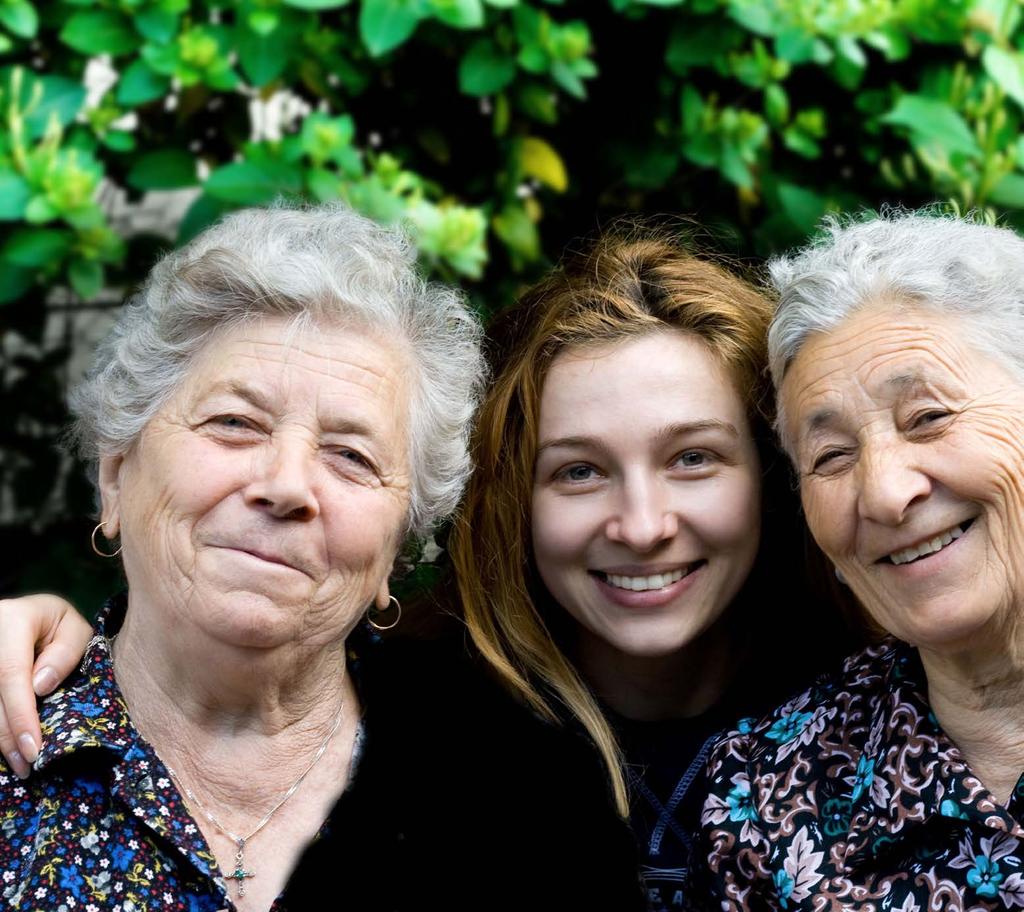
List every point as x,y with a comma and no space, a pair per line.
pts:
19,726
26,625
61,656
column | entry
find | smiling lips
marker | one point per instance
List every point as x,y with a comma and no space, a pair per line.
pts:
925,548
647,583
266,557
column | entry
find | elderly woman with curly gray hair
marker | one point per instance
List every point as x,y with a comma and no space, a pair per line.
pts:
282,405
896,783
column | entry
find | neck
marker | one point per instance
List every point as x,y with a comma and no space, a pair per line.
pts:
978,697
211,709
679,685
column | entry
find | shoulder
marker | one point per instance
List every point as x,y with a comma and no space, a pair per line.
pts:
841,701
792,777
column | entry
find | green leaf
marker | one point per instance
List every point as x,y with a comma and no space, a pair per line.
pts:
800,142
139,85
32,248
566,77
263,21
14,282
40,210
99,32
385,24
459,13
699,44
804,207
201,214
264,57
892,41
323,184
776,104
532,58
119,141
316,4
794,45
753,15
1009,192
86,277
691,108
163,169
56,95
485,70
254,183
156,23
932,122
538,102
20,18
1006,69
518,232
14,196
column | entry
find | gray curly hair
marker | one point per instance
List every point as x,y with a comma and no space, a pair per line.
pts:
312,265
955,265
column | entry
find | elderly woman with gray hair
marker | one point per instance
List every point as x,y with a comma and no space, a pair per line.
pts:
896,353
278,409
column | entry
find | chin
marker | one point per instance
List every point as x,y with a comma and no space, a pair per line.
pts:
250,621
942,627
653,641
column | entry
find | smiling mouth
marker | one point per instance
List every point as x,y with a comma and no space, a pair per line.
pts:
928,548
266,558
647,583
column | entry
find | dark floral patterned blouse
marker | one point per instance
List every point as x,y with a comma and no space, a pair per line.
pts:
99,825
850,796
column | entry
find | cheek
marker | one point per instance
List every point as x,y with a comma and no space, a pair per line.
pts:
824,515
561,530
728,515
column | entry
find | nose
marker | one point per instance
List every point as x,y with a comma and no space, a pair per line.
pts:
282,482
890,482
644,518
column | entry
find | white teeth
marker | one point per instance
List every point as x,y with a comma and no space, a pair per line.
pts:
929,547
644,583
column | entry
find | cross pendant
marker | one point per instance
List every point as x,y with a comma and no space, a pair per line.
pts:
240,874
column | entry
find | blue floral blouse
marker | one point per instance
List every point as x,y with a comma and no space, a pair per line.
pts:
99,825
850,796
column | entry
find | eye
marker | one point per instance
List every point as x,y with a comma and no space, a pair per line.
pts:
579,472
829,460
928,417
232,423
693,459
354,457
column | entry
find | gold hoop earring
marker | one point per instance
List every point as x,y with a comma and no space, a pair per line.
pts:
394,623
92,539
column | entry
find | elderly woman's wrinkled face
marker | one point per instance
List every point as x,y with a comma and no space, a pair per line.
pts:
265,501
909,443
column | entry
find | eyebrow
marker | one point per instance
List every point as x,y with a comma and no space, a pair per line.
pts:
902,383
667,433
257,398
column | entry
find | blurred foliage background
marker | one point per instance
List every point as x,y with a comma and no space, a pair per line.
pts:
499,130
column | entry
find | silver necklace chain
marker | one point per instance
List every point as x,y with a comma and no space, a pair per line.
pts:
240,875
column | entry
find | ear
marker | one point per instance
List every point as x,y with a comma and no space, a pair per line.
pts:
110,493
383,598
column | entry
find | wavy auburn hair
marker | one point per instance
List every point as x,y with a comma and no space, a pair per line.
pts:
620,288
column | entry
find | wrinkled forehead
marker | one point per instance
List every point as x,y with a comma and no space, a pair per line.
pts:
877,357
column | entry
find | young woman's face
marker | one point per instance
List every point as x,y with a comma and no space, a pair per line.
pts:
646,496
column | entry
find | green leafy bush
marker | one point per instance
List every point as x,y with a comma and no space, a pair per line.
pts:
497,130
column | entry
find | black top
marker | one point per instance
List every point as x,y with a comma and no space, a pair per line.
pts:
665,766
465,800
